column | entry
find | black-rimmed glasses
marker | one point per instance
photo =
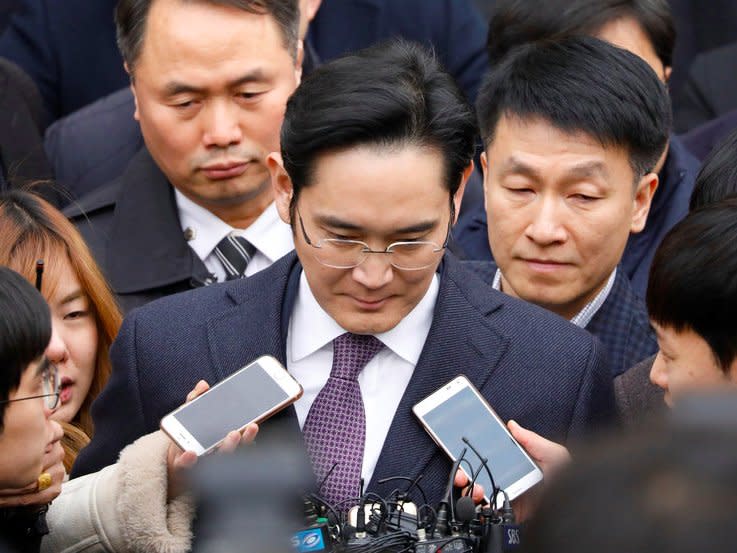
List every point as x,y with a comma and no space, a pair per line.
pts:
50,379
339,253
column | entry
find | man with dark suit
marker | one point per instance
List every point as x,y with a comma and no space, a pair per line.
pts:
371,204
210,80
645,28
567,182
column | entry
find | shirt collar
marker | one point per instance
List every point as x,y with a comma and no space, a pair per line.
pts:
406,340
203,230
583,317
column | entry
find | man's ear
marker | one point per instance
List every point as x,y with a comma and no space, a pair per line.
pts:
641,203
484,171
458,196
127,68
667,71
311,7
281,184
298,61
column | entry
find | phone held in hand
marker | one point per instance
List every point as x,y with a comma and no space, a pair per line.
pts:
250,395
457,411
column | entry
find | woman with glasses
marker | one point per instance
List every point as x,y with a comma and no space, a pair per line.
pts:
85,318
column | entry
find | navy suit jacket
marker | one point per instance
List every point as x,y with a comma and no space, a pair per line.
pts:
621,324
669,205
531,365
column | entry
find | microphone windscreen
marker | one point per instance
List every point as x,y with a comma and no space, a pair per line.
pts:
465,509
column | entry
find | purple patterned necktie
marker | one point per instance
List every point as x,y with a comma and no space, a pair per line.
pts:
335,429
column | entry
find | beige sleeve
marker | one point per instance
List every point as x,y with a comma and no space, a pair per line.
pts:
122,508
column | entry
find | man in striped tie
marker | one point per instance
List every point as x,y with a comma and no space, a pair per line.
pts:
194,207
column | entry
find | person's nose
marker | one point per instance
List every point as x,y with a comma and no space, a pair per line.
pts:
547,224
658,373
222,126
56,351
375,271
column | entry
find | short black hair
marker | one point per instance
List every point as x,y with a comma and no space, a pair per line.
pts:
25,330
718,176
666,488
394,93
516,22
581,84
131,17
693,279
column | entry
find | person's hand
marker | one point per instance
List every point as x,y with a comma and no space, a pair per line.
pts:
178,461
53,464
462,481
550,457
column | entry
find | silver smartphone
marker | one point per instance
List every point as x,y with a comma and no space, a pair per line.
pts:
251,394
457,411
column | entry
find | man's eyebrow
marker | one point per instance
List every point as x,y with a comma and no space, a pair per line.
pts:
176,87
515,166
337,223
588,169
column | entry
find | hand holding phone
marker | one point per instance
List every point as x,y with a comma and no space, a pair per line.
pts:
457,417
250,395
178,461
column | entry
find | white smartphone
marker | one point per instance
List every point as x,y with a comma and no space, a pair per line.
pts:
251,394
457,411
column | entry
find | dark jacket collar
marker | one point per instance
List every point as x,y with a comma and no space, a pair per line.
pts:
146,248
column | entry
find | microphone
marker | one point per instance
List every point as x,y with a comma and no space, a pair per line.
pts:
441,522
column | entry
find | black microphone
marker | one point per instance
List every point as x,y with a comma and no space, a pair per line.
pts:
441,523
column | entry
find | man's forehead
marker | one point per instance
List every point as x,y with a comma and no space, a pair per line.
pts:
520,144
185,33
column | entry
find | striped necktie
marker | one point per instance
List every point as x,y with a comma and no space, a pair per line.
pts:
234,253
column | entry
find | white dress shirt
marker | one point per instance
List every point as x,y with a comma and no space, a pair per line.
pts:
383,380
583,317
271,236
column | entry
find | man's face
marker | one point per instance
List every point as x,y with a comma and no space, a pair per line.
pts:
211,86
560,209
378,195
686,363
26,432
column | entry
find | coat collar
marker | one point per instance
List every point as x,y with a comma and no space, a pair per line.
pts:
147,248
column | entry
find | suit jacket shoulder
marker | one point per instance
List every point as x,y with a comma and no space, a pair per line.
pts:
623,327
82,149
165,347
637,398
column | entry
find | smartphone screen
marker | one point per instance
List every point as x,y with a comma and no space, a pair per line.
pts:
461,413
245,396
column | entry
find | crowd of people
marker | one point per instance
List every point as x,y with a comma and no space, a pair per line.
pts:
199,183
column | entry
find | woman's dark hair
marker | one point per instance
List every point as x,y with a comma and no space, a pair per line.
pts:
718,176
693,279
517,22
25,330
392,94
581,85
